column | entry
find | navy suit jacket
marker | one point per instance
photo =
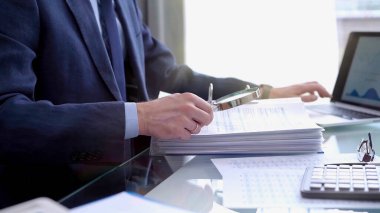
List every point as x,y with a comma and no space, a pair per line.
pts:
59,100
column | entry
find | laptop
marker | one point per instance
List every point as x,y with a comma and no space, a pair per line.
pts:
356,94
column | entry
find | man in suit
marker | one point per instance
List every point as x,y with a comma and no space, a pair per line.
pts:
74,93
64,100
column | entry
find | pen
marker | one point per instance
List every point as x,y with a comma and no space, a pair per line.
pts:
210,91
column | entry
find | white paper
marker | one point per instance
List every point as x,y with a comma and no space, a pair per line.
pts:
275,182
125,202
261,116
269,126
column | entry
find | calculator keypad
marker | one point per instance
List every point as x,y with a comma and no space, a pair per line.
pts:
342,182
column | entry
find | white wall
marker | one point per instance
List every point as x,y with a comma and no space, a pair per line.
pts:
349,24
270,41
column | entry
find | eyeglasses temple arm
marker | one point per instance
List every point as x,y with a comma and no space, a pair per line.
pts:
370,139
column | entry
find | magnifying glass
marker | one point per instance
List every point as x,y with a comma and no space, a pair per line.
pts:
233,99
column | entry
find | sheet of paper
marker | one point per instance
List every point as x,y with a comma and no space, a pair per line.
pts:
268,126
125,202
262,116
275,181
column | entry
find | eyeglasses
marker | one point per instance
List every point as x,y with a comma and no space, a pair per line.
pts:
366,153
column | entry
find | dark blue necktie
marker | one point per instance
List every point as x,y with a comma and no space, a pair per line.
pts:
113,43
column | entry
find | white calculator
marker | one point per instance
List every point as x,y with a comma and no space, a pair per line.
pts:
342,181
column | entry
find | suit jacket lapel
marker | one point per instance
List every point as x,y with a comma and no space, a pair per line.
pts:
85,18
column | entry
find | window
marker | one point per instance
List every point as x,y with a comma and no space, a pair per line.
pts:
276,42
356,15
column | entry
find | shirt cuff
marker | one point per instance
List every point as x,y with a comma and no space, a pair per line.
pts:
131,120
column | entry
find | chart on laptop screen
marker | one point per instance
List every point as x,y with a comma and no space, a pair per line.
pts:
363,81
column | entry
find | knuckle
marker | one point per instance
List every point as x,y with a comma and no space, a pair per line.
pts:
186,107
189,95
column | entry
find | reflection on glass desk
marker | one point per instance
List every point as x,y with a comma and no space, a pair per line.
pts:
193,182
188,182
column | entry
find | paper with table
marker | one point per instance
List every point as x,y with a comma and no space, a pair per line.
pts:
275,181
266,126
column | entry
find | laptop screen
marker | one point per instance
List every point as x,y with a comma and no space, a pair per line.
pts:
359,78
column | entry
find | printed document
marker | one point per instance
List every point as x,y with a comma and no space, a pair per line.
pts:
254,182
266,126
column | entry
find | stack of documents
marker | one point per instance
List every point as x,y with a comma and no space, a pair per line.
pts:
263,127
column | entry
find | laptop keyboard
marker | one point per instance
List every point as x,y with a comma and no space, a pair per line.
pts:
341,112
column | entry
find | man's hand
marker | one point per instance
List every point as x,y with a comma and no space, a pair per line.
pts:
174,116
307,91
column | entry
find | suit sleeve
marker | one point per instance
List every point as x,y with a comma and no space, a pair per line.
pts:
38,131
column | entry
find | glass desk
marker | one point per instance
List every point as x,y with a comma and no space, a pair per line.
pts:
193,182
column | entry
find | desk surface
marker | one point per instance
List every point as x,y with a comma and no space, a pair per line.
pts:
167,178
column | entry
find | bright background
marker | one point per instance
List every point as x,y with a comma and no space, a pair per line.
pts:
278,42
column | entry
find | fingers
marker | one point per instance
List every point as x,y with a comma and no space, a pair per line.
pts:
203,113
200,113
197,111
309,98
314,86
177,116
195,130
307,91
